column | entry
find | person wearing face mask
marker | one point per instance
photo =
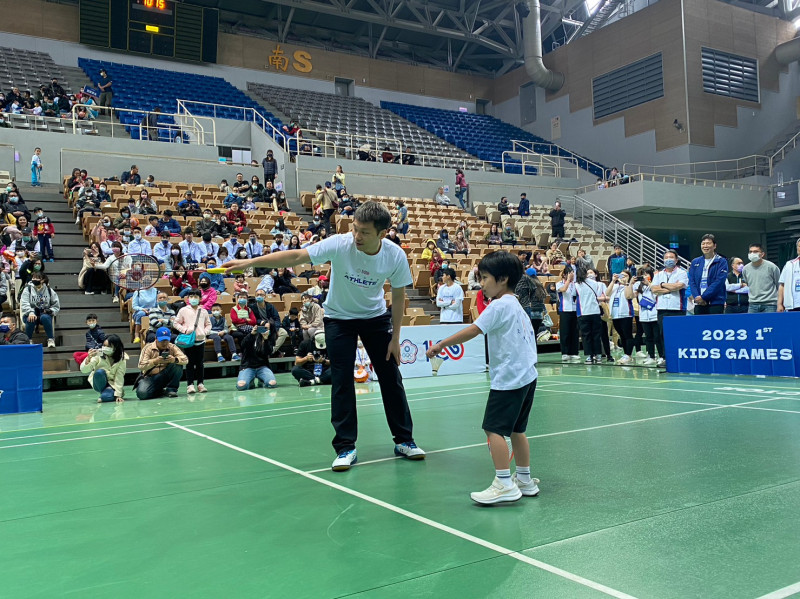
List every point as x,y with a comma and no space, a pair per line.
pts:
206,225
242,316
161,316
708,275
15,205
280,204
89,200
311,316
117,251
264,311
123,218
508,236
267,282
10,334
187,206
30,267
763,279
256,350
106,367
668,287
163,250
314,226
590,294
256,189
208,295
39,305
142,302
145,205
270,167
568,318
27,242
443,242
291,326
253,247
217,280
232,246
620,294
738,299
648,317
137,245
220,331
194,318
279,244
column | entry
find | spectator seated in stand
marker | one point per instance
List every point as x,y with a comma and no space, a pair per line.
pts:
161,316
10,334
142,302
39,305
294,332
187,206
221,332
169,224
131,177
441,199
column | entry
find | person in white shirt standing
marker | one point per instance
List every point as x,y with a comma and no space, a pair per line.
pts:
361,262
668,287
450,298
789,288
590,320
512,370
648,316
620,294
568,319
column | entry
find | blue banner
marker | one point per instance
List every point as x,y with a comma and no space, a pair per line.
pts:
750,344
90,91
21,369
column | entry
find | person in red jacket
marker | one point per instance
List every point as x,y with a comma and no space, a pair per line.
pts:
242,317
44,229
236,217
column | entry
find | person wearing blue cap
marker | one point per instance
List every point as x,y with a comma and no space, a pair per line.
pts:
161,363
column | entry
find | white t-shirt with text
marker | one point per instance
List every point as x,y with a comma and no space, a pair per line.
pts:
444,296
512,343
356,280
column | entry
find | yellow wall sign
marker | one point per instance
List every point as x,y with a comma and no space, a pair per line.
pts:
301,60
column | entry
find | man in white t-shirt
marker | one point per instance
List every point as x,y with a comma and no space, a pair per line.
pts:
789,287
668,287
450,298
361,262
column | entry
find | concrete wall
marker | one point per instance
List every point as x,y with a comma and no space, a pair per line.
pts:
7,162
376,178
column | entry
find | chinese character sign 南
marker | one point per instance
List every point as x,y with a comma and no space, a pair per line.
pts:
301,60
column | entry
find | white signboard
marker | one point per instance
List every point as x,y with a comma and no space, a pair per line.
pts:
555,127
469,357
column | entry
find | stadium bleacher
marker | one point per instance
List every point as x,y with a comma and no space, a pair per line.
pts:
485,136
145,88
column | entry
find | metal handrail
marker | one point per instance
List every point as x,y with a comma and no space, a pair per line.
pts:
680,180
793,141
193,126
528,147
258,118
636,245
542,162
711,170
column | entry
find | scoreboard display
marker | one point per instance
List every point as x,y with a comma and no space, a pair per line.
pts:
154,27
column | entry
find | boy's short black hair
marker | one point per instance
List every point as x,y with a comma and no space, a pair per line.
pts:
91,317
37,208
502,264
375,213
188,231
194,292
152,218
449,272
293,312
216,306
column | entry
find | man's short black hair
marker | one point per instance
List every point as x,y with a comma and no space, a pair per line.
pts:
375,213
10,315
168,213
710,237
502,264
91,316
137,229
188,231
756,245
449,272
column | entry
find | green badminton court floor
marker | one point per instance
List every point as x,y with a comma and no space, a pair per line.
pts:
652,486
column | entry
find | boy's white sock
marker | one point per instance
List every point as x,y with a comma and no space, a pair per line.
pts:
504,476
523,474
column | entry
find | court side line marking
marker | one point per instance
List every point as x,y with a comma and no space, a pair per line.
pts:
782,593
323,409
417,397
417,518
674,374
543,435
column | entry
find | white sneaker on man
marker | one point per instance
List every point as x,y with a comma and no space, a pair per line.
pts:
648,362
624,360
190,389
529,489
409,450
574,359
661,362
496,493
640,354
344,460
564,358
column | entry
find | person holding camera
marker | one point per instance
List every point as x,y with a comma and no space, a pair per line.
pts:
312,366
106,367
161,363
39,305
256,349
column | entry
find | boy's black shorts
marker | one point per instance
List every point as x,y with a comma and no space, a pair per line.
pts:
507,411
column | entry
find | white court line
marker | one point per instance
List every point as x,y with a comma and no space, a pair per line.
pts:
676,374
543,435
239,413
145,430
782,593
417,518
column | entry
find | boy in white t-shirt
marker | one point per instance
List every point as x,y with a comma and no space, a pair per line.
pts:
450,298
512,370
361,262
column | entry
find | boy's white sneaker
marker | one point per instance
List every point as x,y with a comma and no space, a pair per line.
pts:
648,362
574,359
640,354
496,493
530,489
344,460
661,362
564,358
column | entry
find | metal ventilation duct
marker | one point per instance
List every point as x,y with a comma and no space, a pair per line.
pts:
532,36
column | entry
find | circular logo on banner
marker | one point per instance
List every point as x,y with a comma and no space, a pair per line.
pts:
408,352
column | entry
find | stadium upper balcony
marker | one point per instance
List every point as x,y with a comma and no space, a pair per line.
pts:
485,136
144,88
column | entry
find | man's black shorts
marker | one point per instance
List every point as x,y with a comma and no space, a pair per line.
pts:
507,411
